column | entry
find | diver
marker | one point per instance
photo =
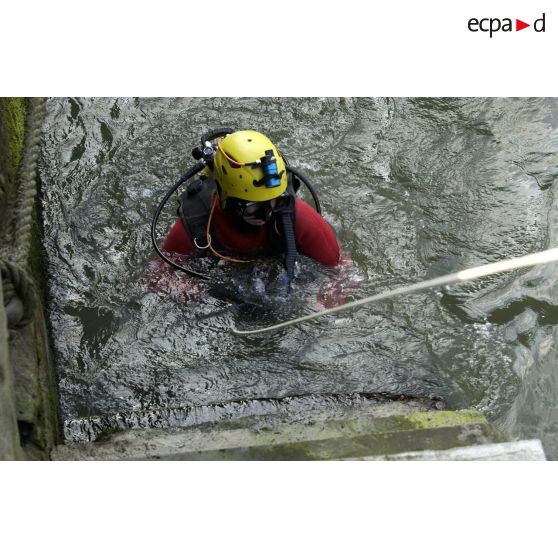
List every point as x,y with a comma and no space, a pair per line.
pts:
243,206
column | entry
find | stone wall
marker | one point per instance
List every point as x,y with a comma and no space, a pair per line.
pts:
29,421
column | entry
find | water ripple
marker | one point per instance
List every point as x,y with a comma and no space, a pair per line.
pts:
415,188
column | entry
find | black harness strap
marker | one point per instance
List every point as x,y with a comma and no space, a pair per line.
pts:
194,208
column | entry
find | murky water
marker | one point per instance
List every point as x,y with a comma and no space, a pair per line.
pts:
415,188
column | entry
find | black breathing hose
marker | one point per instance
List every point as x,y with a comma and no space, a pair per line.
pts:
192,172
290,246
308,185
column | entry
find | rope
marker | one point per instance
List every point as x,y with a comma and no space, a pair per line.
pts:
16,280
28,175
538,258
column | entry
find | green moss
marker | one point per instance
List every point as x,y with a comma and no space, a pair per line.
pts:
12,122
440,419
347,429
373,443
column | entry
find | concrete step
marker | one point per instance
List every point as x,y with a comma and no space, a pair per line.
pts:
522,450
279,438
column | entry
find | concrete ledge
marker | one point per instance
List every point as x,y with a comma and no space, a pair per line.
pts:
261,413
252,439
523,450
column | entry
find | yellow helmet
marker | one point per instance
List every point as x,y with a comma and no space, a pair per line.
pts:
247,166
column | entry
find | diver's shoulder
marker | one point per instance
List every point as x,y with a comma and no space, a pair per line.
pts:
303,208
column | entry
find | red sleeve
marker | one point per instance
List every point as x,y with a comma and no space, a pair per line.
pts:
314,236
178,240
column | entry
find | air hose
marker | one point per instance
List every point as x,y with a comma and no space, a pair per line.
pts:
290,246
308,185
192,172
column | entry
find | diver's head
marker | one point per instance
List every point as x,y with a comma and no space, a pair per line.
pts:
251,176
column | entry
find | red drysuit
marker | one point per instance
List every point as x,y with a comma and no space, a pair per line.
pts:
314,236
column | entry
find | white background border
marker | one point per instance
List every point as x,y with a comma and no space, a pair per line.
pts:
286,48
252,48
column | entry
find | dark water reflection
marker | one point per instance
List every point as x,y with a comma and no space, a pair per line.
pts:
415,188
